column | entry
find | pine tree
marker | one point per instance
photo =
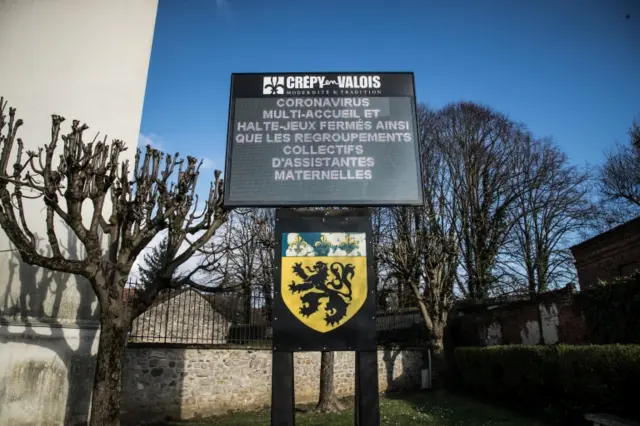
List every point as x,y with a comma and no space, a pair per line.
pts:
152,263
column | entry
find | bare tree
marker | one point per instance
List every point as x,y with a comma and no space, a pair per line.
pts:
264,223
398,256
486,156
553,209
384,286
402,254
620,181
141,205
210,274
440,249
611,213
243,256
423,249
620,175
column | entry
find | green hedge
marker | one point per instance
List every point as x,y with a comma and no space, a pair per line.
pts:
561,382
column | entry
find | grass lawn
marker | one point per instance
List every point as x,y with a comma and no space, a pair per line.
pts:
425,409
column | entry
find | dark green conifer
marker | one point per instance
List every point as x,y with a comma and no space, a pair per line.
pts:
152,263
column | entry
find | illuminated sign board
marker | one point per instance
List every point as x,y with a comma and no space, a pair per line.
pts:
322,139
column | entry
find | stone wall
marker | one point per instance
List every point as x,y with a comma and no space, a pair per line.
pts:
187,383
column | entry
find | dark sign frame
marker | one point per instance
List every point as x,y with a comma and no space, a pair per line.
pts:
340,202
357,334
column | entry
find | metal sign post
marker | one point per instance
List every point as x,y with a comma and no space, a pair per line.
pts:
324,301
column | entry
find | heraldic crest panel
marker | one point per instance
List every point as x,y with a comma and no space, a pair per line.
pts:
324,296
324,277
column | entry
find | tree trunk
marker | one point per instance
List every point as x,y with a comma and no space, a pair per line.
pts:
541,340
438,361
328,401
105,401
268,299
247,304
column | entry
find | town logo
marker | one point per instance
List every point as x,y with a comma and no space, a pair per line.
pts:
324,277
273,85
278,85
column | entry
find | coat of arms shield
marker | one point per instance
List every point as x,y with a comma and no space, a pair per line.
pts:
324,277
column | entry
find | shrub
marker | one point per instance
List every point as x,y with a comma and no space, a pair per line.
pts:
565,382
612,310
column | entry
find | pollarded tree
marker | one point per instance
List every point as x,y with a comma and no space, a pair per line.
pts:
142,204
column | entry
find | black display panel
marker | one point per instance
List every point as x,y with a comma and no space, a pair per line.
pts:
326,139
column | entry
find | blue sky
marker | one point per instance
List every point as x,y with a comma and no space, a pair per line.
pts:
569,69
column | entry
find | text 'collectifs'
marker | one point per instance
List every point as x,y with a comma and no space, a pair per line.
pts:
323,138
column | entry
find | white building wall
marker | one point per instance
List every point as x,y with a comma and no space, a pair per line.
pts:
85,60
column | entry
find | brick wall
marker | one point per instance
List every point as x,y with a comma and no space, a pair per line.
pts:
554,317
611,254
